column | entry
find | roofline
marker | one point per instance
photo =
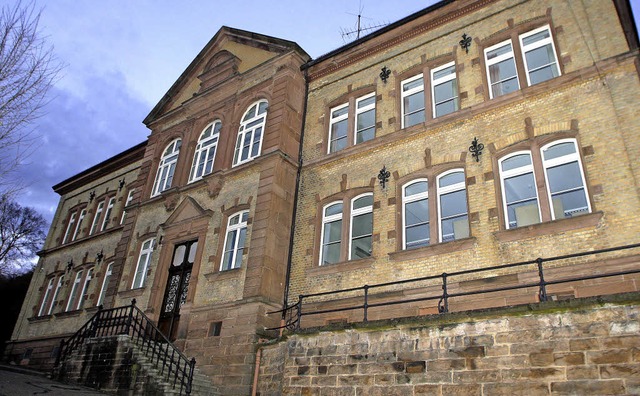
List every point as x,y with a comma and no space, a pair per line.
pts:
167,96
105,167
377,33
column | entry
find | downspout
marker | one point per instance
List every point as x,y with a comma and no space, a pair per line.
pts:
254,388
295,199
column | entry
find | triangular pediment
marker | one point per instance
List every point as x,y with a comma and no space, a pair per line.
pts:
187,210
230,52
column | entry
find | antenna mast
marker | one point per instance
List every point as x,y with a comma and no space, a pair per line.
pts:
348,34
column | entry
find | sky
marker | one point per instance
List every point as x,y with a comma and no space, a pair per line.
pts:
121,56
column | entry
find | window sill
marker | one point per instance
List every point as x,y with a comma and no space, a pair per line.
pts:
221,275
132,292
75,312
342,266
433,250
549,228
42,318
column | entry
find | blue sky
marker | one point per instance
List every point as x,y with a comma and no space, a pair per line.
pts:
121,56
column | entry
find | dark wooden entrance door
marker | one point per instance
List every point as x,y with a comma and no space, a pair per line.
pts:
175,294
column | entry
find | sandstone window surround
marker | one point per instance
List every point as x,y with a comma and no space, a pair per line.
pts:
51,294
142,266
74,224
46,299
70,226
107,213
75,290
250,133
167,167
205,153
56,294
545,184
127,203
84,293
421,100
352,122
536,58
96,217
450,209
234,241
358,228
105,284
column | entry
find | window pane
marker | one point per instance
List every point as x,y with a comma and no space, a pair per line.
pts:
333,209
415,188
417,236
455,228
503,77
564,177
192,252
453,204
505,49
520,187
362,225
240,250
523,213
331,253
451,178
542,65
414,102
178,255
231,240
340,112
569,204
516,161
413,84
366,102
366,120
444,72
446,98
365,135
338,135
332,231
417,212
559,150
361,247
361,202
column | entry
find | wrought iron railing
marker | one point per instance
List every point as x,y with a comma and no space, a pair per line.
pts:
129,320
293,313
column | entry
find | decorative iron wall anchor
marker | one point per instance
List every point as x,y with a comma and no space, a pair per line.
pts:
92,195
476,149
121,183
383,176
99,256
384,74
465,43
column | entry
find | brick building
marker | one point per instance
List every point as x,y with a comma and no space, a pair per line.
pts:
471,134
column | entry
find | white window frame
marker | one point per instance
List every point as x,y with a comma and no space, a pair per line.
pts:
243,131
565,159
56,294
512,173
107,213
360,111
330,219
74,288
334,120
205,151
96,218
236,248
72,220
167,167
440,191
127,203
142,265
410,199
498,59
105,283
410,92
83,213
358,212
47,293
85,286
536,45
440,81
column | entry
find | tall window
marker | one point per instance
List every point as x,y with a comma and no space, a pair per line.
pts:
67,233
107,213
361,226
365,118
519,192
565,179
452,206
538,58
234,241
75,289
105,284
331,238
167,167
56,294
205,151
413,101
83,213
249,142
539,55
47,296
96,218
127,203
143,263
348,126
444,90
415,214
84,294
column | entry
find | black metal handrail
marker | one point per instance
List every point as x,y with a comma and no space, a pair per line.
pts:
293,313
129,320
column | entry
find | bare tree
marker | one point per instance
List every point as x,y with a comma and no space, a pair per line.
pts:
28,68
22,234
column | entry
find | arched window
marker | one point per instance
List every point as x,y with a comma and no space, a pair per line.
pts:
565,179
105,283
361,226
519,191
84,294
452,206
47,295
143,264
331,238
415,214
56,294
167,167
205,151
234,241
249,142
75,289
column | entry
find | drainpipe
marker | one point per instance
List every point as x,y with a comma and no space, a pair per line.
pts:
254,388
295,198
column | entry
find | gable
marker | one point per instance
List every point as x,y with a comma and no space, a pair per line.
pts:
188,210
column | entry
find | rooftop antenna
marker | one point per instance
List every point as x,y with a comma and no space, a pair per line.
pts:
348,35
